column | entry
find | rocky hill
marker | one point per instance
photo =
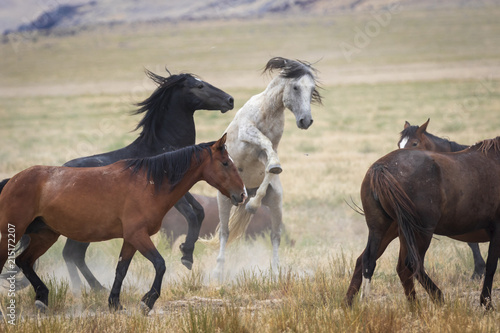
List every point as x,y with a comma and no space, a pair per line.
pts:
26,15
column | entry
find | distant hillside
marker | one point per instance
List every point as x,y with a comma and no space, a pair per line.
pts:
27,15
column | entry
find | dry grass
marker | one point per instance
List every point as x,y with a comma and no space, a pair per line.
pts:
64,97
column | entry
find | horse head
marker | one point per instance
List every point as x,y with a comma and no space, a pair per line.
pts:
300,88
415,137
201,95
222,174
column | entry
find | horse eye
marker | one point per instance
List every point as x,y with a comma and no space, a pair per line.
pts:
200,86
225,163
415,144
295,88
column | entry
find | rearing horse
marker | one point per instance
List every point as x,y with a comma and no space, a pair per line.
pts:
252,140
417,137
168,124
126,199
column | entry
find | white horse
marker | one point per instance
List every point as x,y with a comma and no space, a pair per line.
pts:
252,141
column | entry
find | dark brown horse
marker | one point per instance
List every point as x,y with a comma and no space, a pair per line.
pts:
417,137
416,193
173,223
127,199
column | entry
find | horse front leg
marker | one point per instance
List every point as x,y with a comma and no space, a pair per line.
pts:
269,157
225,205
194,214
256,201
126,254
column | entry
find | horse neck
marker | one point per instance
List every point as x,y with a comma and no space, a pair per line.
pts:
443,145
457,146
176,129
191,177
272,98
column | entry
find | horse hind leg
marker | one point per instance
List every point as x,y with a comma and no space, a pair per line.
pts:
491,266
224,212
74,256
40,243
406,272
389,232
274,200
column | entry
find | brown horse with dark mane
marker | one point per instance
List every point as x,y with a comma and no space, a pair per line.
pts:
127,199
417,137
416,193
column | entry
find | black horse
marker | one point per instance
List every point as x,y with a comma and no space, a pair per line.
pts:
168,124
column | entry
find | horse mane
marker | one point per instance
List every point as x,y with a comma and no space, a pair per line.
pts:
487,145
154,106
172,165
411,130
294,69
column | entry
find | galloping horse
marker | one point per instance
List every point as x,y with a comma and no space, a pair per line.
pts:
416,193
417,137
168,124
127,199
252,140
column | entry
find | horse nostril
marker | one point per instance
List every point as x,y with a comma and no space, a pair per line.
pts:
231,101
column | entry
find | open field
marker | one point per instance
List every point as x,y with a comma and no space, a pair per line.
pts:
64,97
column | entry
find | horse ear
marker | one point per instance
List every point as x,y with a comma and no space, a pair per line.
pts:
407,124
423,127
221,144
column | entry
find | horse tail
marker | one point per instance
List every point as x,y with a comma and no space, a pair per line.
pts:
238,224
394,200
21,281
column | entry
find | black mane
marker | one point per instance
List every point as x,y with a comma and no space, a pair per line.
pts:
294,69
154,105
171,165
411,131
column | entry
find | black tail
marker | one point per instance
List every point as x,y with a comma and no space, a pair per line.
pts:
396,203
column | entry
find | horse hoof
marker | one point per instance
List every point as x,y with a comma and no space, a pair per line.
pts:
274,168
144,308
41,307
187,263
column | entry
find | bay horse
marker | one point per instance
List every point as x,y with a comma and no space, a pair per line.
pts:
127,199
416,193
167,124
417,137
253,137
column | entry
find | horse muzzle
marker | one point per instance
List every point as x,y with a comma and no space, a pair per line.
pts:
228,105
304,123
239,198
